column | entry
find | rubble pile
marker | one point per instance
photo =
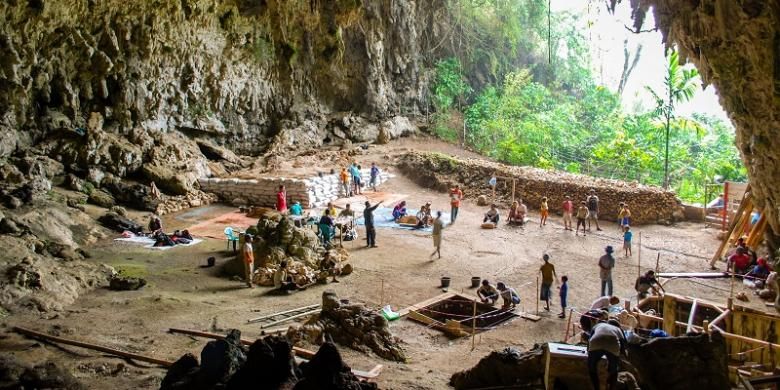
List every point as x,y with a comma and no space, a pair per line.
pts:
352,325
507,367
15,374
267,364
434,170
195,198
277,239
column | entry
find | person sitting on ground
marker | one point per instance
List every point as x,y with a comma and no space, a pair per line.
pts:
399,211
517,213
180,237
605,302
155,225
508,295
162,239
282,281
760,271
646,282
487,293
739,262
296,209
424,218
327,264
492,215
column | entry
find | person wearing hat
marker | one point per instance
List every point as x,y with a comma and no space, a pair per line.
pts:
249,260
606,264
487,293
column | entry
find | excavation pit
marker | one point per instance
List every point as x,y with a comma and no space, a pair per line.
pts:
453,314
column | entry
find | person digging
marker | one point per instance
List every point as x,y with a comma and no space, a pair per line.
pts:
327,264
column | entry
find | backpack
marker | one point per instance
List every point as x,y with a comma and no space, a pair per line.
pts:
593,203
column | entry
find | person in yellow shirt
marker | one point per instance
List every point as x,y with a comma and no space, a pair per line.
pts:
544,212
344,177
548,277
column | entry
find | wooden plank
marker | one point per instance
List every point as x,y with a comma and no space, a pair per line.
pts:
670,315
529,316
427,302
94,347
700,275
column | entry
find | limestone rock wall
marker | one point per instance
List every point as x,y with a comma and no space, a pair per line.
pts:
247,74
648,204
734,44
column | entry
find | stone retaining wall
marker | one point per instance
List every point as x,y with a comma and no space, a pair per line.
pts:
648,204
315,191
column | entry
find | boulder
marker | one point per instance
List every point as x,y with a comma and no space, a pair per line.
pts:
101,198
25,275
125,283
8,226
73,182
505,368
45,375
220,359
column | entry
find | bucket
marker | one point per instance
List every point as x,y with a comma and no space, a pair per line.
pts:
475,280
445,281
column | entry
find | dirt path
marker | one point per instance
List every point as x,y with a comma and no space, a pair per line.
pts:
182,294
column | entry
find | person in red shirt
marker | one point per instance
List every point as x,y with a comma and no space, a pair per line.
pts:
456,196
568,209
281,200
739,261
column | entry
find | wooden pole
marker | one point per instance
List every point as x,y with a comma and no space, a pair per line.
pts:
706,325
568,326
474,327
657,262
725,210
111,351
537,295
639,257
732,226
513,190
382,296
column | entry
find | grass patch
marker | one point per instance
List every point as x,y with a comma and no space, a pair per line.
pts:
132,270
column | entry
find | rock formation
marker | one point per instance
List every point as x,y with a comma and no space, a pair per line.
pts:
734,46
648,204
350,324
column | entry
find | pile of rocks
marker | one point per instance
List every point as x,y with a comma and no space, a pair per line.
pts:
267,364
314,191
648,204
352,325
172,204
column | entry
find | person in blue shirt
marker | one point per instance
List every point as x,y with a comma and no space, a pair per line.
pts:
374,176
296,209
355,173
564,292
627,236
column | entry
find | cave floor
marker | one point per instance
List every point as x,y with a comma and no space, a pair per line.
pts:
182,294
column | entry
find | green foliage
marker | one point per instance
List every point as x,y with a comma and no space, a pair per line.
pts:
450,84
87,188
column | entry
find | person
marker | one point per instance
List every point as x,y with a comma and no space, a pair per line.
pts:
348,212
760,271
456,196
249,260
517,217
646,282
344,179
548,277
627,236
399,211
625,218
424,217
620,215
281,200
739,261
155,225
564,291
604,302
296,209
716,203
568,209
438,226
368,220
582,215
606,264
354,171
593,209
282,281
492,215
487,293
544,212
606,339
326,226
509,296
374,176
331,209
154,191
328,265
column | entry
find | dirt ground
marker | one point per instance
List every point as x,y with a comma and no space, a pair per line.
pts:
182,293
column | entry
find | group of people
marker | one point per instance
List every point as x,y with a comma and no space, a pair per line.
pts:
351,179
163,239
746,264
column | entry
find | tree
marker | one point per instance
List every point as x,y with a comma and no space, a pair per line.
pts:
681,85
628,65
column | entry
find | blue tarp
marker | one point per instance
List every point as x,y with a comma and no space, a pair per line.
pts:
383,217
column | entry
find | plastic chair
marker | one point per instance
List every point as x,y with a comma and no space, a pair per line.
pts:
231,237
326,233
